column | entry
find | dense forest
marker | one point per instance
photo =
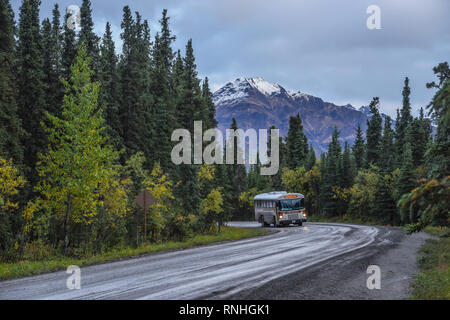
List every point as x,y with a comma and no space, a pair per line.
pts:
84,128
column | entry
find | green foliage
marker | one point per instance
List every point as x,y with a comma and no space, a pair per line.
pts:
109,89
78,170
387,148
296,143
11,182
374,127
11,130
364,191
433,282
211,209
30,86
359,149
404,118
429,202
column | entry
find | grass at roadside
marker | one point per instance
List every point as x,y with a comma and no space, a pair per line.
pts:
27,268
433,281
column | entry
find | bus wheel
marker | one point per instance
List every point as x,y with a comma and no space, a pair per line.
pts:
274,221
262,222
300,224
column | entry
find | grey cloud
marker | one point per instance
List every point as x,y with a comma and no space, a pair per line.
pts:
320,47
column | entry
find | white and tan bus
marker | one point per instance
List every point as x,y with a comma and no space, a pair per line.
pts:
280,208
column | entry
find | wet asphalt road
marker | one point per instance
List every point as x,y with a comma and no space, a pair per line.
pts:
316,261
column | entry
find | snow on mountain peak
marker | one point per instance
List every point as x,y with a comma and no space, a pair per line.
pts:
263,86
237,90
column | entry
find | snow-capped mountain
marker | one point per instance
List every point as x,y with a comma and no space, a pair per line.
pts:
256,103
242,88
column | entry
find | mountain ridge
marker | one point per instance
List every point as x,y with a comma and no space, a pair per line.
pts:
256,103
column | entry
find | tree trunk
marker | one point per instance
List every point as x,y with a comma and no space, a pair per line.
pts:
66,223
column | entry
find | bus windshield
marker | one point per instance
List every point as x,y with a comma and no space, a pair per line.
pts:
294,204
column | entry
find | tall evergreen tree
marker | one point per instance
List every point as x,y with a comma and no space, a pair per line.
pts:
135,101
374,128
296,143
401,134
30,99
210,107
11,130
347,168
310,159
164,100
190,108
237,172
406,181
418,140
385,207
69,49
51,46
359,149
331,176
387,160
109,89
438,153
87,34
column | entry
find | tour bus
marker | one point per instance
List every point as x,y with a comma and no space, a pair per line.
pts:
280,208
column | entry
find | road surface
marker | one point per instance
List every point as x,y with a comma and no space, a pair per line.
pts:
316,261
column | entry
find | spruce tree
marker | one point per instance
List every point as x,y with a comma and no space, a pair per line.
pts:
109,89
310,159
135,100
405,118
296,143
407,180
332,175
87,34
237,172
210,107
418,140
385,207
359,149
373,133
11,130
387,161
275,181
347,168
190,108
438,152
51,46
69,49
164,100
30,97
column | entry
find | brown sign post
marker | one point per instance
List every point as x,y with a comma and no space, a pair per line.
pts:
145,200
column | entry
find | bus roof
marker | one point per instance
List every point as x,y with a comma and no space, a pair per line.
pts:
278,195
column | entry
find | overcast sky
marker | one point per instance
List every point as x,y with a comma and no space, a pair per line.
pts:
319,47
